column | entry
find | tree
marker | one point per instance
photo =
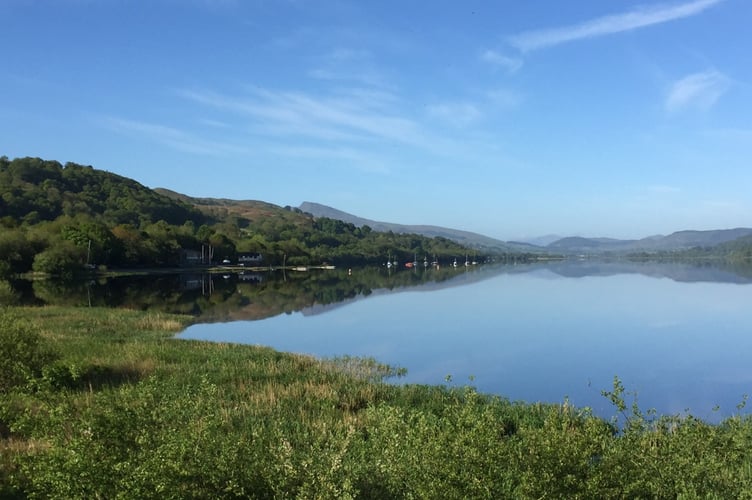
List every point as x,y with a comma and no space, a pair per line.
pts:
17,251
63,260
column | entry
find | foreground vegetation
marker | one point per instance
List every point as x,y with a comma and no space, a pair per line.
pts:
101,403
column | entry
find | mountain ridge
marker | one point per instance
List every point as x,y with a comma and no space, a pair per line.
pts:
569,245
463,237
679,240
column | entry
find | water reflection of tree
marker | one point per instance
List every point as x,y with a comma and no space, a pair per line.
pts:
214,297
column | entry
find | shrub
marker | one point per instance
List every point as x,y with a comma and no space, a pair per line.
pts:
22,354
63,260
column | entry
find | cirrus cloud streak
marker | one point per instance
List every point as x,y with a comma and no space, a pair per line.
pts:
698,91
607,25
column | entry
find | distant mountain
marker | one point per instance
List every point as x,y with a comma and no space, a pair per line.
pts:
676,271
467,238
541,241
680,240
578,243
689,239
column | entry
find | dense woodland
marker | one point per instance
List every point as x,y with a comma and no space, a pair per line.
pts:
738,251
57,219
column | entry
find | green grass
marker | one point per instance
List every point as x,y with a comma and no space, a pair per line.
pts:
110,405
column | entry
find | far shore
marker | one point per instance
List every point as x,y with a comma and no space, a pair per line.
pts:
138,271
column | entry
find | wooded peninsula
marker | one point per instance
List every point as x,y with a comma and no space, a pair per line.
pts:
58,219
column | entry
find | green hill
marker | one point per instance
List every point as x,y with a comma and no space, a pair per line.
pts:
63,219
34,190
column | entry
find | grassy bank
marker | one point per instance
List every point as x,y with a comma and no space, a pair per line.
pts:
100,403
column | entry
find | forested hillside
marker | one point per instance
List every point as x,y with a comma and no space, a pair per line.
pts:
62,219
735,251
35,190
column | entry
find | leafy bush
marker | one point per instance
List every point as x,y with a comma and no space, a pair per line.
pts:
63,260
22,353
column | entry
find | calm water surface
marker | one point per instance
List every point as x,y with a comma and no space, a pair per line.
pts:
542,333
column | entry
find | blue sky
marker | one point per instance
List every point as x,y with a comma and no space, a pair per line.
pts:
512,119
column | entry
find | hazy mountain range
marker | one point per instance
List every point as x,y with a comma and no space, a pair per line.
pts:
679,240
467,238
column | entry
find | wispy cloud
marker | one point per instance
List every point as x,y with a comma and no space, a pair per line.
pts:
697,91
510,64
363,76
458,114
363,161
296,113
213,123
504,98
366,129
617,23
171,137
346,64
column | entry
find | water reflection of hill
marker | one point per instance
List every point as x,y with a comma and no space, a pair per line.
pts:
252,296
686,272
322,291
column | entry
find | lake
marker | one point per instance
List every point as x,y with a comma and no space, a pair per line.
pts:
678,335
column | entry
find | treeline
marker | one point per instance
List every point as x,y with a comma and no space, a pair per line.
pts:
59,219
738,251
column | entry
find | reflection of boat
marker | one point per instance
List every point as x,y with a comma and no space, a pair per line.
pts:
412,264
